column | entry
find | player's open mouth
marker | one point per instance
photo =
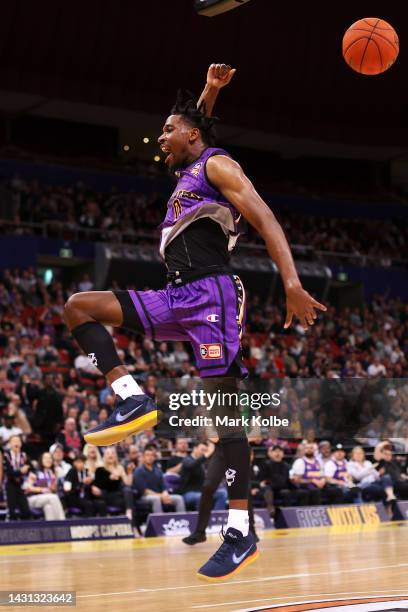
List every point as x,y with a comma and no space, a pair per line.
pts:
167,151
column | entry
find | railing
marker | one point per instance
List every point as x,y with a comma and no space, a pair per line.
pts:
63,231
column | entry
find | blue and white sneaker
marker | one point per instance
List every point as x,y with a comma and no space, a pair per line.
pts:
235,553
130,416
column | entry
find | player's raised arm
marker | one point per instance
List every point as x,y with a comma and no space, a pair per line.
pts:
230,179
218,76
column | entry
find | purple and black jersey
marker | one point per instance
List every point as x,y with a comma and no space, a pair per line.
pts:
194,198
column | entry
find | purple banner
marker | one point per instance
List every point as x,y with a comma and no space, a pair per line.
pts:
401,511
329,516
183,523
36,532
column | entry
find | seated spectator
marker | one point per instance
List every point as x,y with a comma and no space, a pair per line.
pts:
306,474
78,490
83,421
69,438
113,484
14,410
72,399
61,467
274,480
46,351
41,490
131,459
9,429
193,475
93,458
181,447
72,379
30,369
148,481
371,482
338,475
324,453
387,465
16,468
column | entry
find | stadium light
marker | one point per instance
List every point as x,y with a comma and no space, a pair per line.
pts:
210,8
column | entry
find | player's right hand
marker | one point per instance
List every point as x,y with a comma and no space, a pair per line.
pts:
219,75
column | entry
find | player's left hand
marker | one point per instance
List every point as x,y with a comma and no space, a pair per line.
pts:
301,304
219,75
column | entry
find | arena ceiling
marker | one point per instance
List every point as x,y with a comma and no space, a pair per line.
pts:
121,61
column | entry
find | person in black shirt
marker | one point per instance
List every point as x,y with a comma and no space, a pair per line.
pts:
274,479
387,465
193,475
16,468
78,494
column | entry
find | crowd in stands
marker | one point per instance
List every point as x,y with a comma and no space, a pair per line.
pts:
344,380
126,217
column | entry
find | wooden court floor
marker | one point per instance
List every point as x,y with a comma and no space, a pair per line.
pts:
156,575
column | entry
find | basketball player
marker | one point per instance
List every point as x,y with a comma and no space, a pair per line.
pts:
204,303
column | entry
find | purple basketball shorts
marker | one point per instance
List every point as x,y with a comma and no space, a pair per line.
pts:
209,313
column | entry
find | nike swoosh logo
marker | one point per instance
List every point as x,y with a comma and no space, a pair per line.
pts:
123,417
237,560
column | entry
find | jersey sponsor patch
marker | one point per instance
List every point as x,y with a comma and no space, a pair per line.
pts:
211,351
196,169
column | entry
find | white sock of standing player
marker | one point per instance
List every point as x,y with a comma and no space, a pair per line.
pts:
238,519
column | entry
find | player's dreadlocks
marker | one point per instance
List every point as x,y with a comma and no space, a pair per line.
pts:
186,105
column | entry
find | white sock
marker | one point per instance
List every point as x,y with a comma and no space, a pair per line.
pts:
125,386
238,519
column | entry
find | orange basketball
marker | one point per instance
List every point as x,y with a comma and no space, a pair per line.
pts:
370,46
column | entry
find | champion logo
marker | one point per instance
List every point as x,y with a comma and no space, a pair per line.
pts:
211,351
213,318
92,358
230,476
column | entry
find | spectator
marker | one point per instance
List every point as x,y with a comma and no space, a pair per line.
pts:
72,399
193,475
306,474
132,459
373,484
30,369
338,475
376,368
148,481
46,352
61,467
9,429
93,459
181,447
78,490
274,479
324,453
113,484
16,468
387,465
41,490
70,439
